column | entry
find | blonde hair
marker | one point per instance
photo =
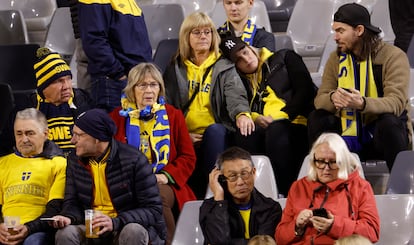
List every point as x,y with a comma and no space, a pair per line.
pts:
196,20
354,239
262,240
137,75
345,160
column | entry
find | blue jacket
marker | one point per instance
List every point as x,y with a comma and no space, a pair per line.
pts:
114,36
132,187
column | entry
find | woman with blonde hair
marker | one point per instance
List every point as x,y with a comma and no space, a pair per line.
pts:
207,88
353,240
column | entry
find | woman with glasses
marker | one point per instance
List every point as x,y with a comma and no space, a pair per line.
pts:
207,88
333,201
158,130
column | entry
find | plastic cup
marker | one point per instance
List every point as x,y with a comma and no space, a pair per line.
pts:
11,222
89,231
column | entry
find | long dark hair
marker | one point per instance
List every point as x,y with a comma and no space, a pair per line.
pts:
369,44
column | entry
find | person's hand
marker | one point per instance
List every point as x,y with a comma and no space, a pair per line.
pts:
104,223
214,184
161,179
245,124
264,121
347,99
303,218
4,234
196,138
322,224
60,221
22,233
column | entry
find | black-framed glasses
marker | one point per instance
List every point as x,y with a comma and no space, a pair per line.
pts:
321,163
198,33
244,175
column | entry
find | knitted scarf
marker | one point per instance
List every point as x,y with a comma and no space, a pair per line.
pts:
248,32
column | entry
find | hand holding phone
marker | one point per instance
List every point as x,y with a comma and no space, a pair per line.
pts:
347,90
321,212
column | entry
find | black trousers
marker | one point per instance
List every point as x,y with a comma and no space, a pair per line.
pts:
285,144
390,134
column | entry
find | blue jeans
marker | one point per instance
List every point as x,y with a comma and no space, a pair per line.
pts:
39,238
106,92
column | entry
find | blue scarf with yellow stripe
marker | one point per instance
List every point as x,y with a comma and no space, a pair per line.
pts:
248,33
160,135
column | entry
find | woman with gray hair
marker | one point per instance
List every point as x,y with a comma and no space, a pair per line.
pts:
333,201
207,88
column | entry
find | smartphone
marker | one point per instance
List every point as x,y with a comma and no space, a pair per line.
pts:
321,212
347,90
48,219
223,182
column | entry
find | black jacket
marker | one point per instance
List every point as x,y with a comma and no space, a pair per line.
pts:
132,187
222,223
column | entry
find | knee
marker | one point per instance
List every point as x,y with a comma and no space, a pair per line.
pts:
388,122
215,129
69,233
133,232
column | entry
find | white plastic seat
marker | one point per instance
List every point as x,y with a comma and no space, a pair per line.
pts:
258,14
163,21
12,27
60,37
397,219
187,229
189,7
37,15
380,16
401,179
265,179
329,47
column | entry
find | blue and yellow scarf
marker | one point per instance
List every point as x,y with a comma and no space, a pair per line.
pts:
248,33
362,79
159,140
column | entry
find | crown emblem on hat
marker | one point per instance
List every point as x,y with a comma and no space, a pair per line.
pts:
230,44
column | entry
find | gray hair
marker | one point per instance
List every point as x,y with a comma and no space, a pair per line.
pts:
33,114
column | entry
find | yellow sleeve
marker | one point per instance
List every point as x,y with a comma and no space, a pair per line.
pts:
57,189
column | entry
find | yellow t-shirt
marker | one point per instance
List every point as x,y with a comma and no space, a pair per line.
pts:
245,214
28,184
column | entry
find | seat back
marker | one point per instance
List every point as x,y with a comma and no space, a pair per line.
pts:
60,36
189,7
166,49
282,202
282,41
187,229
410,52
258,14
380,17
397,218
12,27
160,26
16,64
265,179
7,104
279,13
329,47
401,179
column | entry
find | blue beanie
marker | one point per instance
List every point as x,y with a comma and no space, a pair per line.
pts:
96,123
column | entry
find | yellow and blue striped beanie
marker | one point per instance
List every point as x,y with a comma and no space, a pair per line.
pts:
49,67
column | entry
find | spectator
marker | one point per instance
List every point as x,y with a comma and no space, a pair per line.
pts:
240,25
207,88
262,240
363,95
353,240
115,39
281,93
332,201
237,211
402,21
32,181
158,130
55,98
111,177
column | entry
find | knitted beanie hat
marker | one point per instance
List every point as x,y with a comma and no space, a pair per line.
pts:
49,67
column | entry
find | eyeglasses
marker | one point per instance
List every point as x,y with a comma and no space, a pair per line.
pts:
77,135
321,164
144,86
198,33
244,175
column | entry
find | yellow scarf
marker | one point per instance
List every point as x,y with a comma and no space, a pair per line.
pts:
248,33
365,83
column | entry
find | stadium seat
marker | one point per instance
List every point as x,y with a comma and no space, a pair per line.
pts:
37,15
283,41
205,6
410,53
60,36
380,16
401,180
163,21
397,219
7,104
164,53
258,14
16,62
310,25
12,27
265,179
329,47
188,230
282,202
279,13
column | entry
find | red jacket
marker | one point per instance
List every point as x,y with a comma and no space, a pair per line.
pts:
182,156
344,197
